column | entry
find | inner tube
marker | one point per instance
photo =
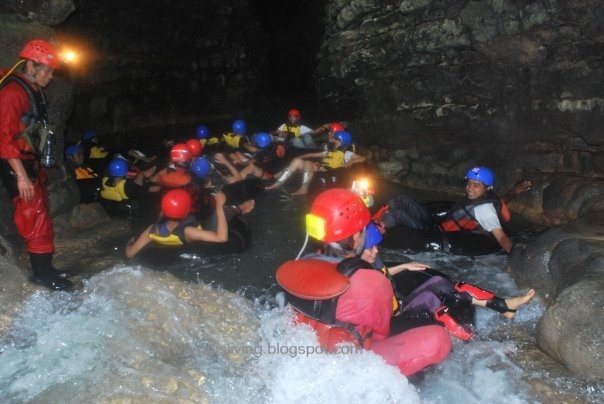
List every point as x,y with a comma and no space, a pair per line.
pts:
240,238
470,243
241,191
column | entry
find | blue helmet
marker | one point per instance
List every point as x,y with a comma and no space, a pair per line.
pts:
88,135
202,132
373,236
118,168
239,127
482,174
73,149
201,167
262,139
344,137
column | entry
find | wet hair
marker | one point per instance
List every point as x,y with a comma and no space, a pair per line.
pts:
340,248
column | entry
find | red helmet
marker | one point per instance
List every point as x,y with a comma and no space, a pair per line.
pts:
195,146
180,153
336,127
176,204
41,51
336,214
294,112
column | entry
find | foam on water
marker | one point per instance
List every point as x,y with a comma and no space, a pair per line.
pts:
133,333
138,334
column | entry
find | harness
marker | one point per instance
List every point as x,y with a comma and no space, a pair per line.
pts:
34,120
461,216
160,234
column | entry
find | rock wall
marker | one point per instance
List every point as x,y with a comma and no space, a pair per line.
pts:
514,85
155,64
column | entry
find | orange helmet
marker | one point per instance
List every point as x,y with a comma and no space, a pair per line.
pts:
195,146
180,153
176,204
336,214
41,51
294,112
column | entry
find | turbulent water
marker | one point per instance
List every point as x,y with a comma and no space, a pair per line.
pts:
179,332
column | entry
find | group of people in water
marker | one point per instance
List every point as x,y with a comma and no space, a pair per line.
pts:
365,295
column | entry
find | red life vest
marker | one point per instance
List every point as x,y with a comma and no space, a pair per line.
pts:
314,287
461,217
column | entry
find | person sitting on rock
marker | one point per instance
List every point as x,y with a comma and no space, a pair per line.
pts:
87,179
176,226
339,156
95,154
481,209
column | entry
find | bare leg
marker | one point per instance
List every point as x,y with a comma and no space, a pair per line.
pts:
513,303
309,171
296,164
252,170
247,206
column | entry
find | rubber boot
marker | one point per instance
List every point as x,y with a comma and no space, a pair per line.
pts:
452,326
44,274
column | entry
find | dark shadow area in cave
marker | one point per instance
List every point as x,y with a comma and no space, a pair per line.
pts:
294,30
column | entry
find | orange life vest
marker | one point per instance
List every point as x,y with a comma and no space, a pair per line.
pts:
461,216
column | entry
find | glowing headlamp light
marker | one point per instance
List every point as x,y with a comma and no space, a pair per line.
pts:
315,226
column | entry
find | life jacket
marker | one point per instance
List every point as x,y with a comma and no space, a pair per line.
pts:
292,130
333,159
159,232
313,287
349,266
461,216
209,142
83,173
232,140
114,192
176,177
34,119
97,152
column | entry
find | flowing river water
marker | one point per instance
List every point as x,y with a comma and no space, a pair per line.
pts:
207,329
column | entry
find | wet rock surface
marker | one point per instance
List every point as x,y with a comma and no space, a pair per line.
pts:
566,264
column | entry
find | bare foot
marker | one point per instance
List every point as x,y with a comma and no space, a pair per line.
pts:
302,191
247,206
515,302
